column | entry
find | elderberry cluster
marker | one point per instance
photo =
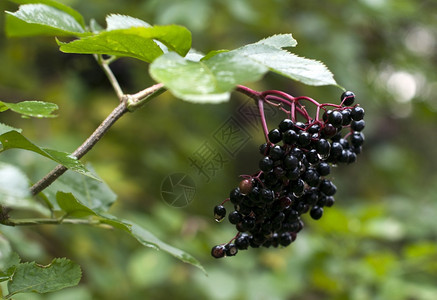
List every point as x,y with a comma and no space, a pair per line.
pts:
295,163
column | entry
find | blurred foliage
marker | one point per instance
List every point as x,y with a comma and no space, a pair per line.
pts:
378,242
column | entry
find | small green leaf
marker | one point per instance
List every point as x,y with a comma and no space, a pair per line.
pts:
14,190
68,203
41,19
37,109
96,195
136,42
206,81
147,239
31,277
14,139
75,14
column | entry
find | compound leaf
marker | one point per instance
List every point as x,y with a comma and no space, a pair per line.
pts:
31,277
213,77
41,19
147,239
14,139
136,42
37,109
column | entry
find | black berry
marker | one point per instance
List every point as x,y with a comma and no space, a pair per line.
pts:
347,98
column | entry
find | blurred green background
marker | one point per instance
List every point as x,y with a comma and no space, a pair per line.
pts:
378,242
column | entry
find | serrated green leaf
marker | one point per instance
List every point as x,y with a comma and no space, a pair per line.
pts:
15,140
208,81
116,21
41,19
6,128
31,277
308,71
95,195
147,239
75,14
37,109
213,77
14,190
136,42
68,203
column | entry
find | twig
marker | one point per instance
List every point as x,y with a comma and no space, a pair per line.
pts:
120,110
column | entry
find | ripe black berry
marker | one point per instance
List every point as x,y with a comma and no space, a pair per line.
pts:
327,187
264,149
266,164
275,136
242,241
329,130
347,98
276,153
316,212
312,156
346,115
335,118
219,212
323,169
235,196
234,217
323,147
357,139
290,137
285,239
357,113
358,125
285,125
304,138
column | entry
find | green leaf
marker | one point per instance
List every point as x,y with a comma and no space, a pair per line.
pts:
149,240
37,109
14,139
96,195
278,41
136,42
116,21
75,14
8,260
213,77
6,128
68,203
308,71
31,277
14,190
206,81
41,19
